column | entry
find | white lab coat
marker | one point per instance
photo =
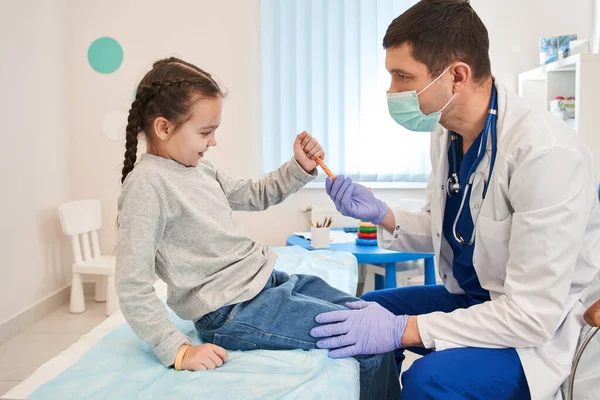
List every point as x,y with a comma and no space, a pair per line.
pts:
537,246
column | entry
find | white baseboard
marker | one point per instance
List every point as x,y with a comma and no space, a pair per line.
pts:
23,320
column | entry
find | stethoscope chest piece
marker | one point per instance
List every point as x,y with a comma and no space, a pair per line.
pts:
453,185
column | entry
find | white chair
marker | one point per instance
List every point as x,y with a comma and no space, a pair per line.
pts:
81,220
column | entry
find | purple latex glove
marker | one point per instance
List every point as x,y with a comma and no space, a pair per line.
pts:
367,328
354,200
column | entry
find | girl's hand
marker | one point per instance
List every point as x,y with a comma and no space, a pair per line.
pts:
203,357
306,149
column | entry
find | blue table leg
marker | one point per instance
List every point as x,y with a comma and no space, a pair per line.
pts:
379,282
390,275
429,271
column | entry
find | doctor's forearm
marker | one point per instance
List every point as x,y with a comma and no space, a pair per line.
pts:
411,336
389,222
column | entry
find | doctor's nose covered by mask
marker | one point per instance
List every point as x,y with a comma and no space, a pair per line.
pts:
405,109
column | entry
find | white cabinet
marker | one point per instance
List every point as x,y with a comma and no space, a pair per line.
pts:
578,76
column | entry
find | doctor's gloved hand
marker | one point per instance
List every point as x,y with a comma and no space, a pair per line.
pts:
367,328
354,200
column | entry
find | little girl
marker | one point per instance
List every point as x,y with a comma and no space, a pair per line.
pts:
175,220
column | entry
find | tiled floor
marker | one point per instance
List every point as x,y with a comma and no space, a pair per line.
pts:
21,355
24,353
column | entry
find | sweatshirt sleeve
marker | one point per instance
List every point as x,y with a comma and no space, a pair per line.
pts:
260,194
142,221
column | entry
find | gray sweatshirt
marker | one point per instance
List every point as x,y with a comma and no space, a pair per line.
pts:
176,221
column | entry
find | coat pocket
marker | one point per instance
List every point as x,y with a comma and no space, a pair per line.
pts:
491,246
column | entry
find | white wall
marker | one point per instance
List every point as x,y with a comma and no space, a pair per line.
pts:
515,26
33,178
596,35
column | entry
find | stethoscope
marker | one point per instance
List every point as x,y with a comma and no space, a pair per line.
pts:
453,184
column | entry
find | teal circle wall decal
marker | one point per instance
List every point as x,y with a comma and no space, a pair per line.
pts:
105,55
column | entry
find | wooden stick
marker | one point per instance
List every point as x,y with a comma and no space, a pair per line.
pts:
325,169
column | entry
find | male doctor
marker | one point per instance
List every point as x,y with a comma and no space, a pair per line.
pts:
512,215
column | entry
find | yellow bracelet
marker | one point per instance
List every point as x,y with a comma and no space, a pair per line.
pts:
180,354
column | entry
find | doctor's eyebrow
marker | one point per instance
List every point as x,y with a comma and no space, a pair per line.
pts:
399,71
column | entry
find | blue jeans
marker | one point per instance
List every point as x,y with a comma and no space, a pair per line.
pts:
280,318
462,373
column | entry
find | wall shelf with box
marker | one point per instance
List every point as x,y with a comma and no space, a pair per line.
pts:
576,76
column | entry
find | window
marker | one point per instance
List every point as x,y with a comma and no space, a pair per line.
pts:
323,70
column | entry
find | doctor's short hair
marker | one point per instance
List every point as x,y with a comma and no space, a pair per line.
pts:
442,32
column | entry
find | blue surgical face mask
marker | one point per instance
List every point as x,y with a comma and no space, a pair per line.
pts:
405,109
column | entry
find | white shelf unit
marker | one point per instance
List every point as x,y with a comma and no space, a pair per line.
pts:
578,76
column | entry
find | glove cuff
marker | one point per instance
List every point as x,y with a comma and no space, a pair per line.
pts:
400,326
382,208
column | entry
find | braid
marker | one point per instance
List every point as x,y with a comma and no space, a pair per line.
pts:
131,139
175,60
158,86
143,96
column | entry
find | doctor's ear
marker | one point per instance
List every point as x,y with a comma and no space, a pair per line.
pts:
462,74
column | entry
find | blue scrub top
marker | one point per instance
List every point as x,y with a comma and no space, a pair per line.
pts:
462,265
